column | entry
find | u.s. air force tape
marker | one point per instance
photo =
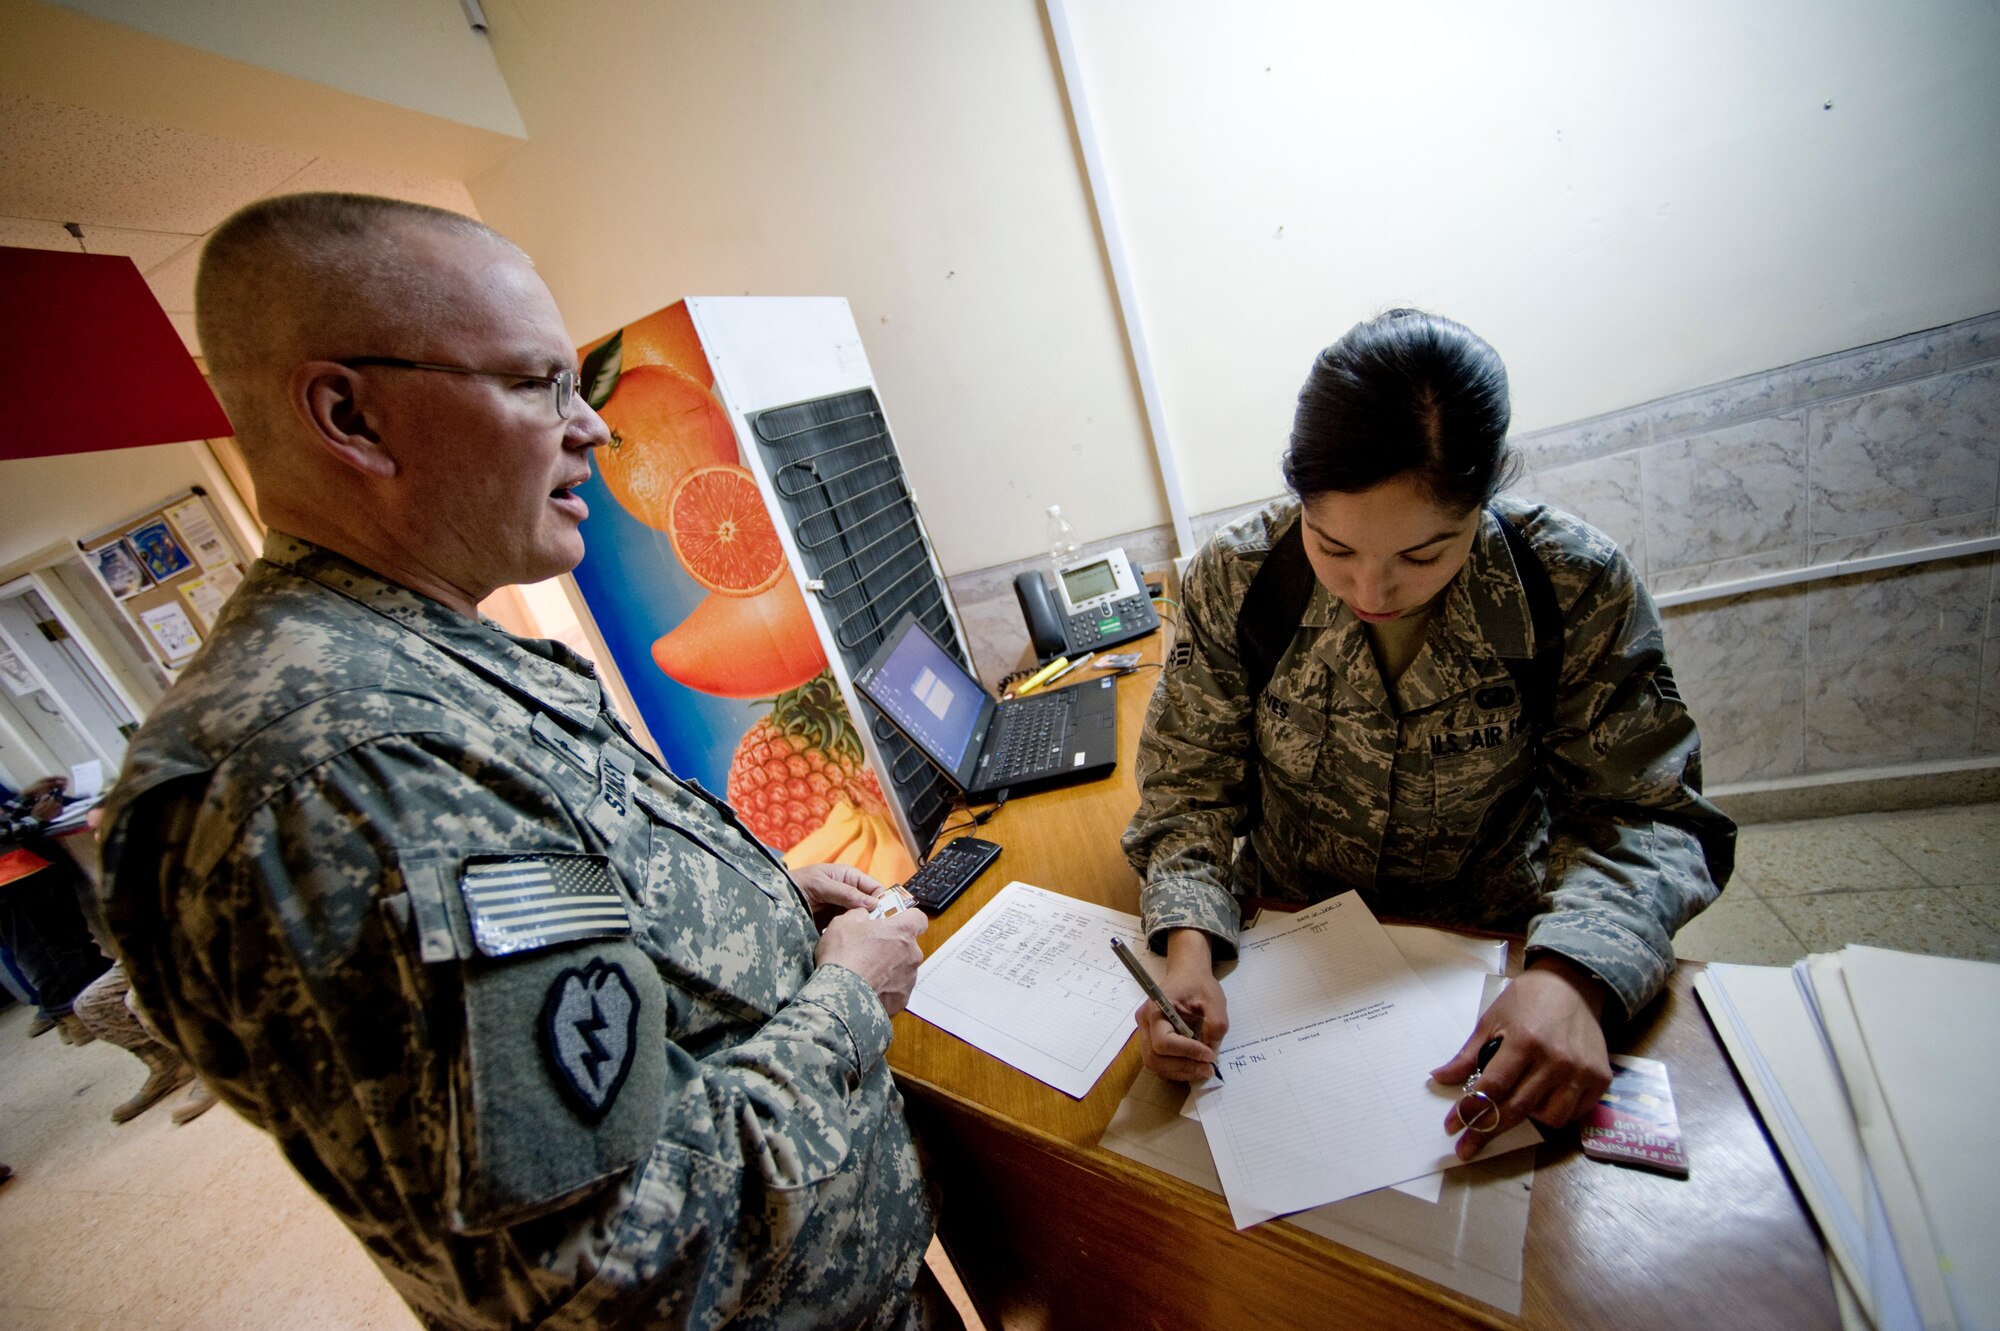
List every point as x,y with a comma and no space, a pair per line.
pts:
520,902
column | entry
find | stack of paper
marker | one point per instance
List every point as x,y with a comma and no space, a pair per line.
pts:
1465,1228
1876,1073
1032,980
1331,1041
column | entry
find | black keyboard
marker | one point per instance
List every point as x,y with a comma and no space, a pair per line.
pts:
950,872
1032,734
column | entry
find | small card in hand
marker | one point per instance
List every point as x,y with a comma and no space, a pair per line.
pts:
1635,1123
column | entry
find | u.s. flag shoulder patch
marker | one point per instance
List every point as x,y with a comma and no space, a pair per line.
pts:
517,903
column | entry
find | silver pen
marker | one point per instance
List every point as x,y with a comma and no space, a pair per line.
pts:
1081,660
1158,995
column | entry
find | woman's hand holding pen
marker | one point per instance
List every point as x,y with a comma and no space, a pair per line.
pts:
1551,1065
1191,987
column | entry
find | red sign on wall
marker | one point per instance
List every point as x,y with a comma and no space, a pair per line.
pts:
89,360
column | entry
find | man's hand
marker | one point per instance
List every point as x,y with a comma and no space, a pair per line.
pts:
1191,987
44,798
883,952
832,888
1552,1064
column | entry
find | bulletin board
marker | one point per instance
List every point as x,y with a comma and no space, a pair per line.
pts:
169,569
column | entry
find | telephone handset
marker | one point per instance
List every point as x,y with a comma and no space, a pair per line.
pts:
1098,600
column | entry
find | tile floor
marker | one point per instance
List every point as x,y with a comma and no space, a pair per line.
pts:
1925,880
155,1226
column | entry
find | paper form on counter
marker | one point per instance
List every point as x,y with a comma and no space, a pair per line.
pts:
1331,1040
1031,979
1464,974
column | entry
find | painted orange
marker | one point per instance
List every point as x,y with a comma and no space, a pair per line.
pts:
663,425
667,337
744,646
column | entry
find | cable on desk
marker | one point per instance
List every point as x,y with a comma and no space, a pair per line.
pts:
1013,677
976,820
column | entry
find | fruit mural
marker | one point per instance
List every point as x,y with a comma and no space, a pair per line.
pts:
688,585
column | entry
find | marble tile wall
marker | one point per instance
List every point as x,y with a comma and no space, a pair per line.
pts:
1879,450
1882,449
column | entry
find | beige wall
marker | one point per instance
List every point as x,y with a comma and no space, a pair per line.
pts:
913,157
44,501
1629,200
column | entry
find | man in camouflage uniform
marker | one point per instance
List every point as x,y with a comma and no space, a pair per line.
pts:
1436,801
551,1032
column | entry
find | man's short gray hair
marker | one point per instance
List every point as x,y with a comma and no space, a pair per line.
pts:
301,276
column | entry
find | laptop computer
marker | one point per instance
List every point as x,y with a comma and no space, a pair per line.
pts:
1045,739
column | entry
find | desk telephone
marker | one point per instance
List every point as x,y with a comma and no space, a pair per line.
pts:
1098,600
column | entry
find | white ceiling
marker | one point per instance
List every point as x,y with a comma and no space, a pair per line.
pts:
152,192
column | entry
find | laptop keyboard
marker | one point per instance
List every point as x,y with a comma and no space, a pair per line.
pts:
1032,735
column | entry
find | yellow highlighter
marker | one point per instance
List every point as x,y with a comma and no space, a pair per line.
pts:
1040,677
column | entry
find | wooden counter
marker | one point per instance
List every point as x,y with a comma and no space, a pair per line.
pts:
1048,1230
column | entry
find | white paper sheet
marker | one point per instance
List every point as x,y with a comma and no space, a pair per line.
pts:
1031,979
1895,1184
1331,1041
1933,1030
198,533
172,630
1463,975
86,779
204,598
1772,1034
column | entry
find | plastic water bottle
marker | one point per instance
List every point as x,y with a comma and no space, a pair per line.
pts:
1062,540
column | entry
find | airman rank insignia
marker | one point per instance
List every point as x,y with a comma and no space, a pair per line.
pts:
1497,695
589,1022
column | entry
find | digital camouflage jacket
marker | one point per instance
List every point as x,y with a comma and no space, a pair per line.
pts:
539,1021
1436,803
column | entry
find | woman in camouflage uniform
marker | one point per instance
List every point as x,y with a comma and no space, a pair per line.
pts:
1400,748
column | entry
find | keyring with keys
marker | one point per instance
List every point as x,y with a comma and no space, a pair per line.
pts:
1486,1116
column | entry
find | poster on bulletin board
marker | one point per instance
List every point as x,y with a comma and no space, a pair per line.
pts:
170,569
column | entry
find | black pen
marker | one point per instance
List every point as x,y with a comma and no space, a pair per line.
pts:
1158,995
1486,1052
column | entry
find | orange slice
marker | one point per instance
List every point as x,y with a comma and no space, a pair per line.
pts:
722,532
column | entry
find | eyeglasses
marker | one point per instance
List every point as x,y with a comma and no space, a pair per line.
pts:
562,384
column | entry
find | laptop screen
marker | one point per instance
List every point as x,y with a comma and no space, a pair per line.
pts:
929,695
